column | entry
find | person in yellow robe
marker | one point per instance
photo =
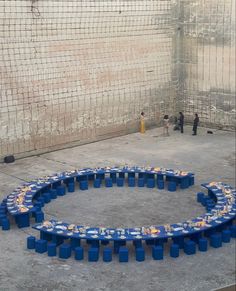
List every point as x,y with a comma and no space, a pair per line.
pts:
142,123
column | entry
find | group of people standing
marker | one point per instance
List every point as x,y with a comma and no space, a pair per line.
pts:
166,123
180,124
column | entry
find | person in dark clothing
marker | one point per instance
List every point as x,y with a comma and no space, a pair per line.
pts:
181,122
195,124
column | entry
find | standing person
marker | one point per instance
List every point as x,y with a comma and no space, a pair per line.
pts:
181,122
142,123
166,125
195,124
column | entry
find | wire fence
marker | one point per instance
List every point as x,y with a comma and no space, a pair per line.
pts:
209,61
84,70
80,70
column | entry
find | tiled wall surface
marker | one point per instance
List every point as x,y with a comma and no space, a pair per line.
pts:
78,71
82,70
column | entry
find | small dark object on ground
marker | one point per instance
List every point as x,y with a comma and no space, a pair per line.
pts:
210,132
9,159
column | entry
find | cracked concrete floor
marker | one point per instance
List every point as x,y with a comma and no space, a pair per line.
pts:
210,157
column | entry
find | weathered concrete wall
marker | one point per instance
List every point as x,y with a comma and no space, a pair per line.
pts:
207,73
78,71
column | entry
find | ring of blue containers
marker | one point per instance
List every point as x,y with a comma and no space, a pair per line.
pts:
45,191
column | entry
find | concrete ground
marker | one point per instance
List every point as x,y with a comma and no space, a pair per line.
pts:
210,157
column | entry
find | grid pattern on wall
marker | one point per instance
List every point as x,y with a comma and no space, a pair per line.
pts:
81,70
208,61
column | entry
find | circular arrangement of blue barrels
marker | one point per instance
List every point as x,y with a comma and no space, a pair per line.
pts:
214,228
